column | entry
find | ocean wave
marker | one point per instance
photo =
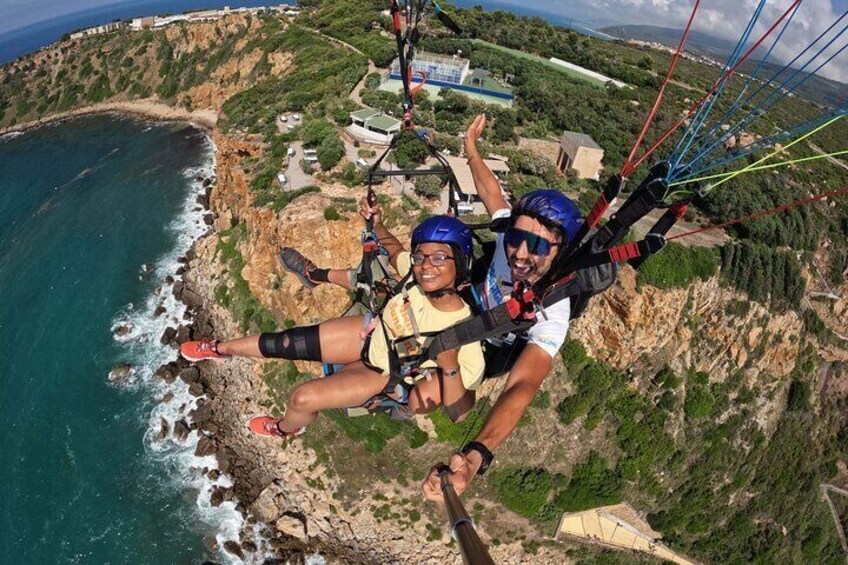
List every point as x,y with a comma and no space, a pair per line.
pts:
138,329
11,135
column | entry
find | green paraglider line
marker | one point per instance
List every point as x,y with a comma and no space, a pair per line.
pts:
765,167
752,166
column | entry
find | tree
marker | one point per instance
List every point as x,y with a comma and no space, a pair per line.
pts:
331,151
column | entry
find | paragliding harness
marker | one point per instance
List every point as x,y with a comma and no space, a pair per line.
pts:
371,285
580,271
368,283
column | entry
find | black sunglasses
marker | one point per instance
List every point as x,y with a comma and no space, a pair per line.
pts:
537,245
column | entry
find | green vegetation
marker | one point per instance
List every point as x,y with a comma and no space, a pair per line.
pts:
765,273
375,431
235,294
678,266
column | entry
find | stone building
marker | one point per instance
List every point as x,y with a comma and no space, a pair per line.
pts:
578,151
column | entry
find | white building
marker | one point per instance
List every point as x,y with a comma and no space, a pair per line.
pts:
372,126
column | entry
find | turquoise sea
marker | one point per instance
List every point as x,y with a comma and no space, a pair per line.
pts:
93,215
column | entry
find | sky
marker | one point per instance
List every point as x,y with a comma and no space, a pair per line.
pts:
722,18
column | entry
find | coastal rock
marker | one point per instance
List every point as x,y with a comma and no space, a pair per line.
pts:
234,548
203,200
265,507
190,375
123,329
214,474
181,430
217,496
120,373
209,219
292,526
207,182
167,372
169,279
205,447
191,298
164,429
201,414
166,398
159,311
168,335
184,334
249,546
196,389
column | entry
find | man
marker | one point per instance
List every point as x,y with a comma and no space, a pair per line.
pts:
540,224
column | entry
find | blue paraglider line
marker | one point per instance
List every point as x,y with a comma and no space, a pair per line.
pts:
779,137
772,99
736,104
704,111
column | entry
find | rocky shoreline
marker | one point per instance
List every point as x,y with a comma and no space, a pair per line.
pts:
148,109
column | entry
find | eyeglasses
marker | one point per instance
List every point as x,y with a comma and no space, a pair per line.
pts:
536,245
436,259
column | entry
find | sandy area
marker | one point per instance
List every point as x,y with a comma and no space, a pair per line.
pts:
148,108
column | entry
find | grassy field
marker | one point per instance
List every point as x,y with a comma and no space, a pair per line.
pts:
521,54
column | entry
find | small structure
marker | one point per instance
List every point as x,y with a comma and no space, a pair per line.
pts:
578,151
105,28
372,126
139,24
587,73
619,527
471,203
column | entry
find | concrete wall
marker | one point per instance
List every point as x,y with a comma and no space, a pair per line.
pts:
587,161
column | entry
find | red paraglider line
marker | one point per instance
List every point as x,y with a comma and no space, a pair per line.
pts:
629,168
649,120
762,213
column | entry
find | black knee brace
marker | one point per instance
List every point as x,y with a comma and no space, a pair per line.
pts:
295,344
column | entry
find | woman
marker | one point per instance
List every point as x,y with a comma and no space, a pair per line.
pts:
440,265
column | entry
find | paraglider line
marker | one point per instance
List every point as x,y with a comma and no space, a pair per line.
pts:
762,213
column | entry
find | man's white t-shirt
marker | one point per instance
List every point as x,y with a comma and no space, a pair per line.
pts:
548,334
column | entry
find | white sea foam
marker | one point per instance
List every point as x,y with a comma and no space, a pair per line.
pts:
141,339
11,135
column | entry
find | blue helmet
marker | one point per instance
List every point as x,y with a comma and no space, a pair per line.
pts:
449,230
552,208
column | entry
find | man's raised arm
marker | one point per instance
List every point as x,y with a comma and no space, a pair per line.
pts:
488,187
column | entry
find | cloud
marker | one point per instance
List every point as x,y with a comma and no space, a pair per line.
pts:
728,19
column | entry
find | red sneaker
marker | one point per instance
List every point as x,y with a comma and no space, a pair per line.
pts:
200,350
267,426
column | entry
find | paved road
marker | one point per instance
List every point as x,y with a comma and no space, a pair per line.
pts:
297,178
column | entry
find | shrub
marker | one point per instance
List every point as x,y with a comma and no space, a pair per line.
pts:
678,266
331,214
331,151
524,491
592,484
699,402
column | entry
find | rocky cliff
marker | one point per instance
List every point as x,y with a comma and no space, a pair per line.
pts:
290,489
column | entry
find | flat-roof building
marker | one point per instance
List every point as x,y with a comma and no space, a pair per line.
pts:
579,152
454,73
372,126
619,527
470,202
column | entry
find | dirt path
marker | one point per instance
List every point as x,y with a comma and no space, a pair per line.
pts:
713,238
